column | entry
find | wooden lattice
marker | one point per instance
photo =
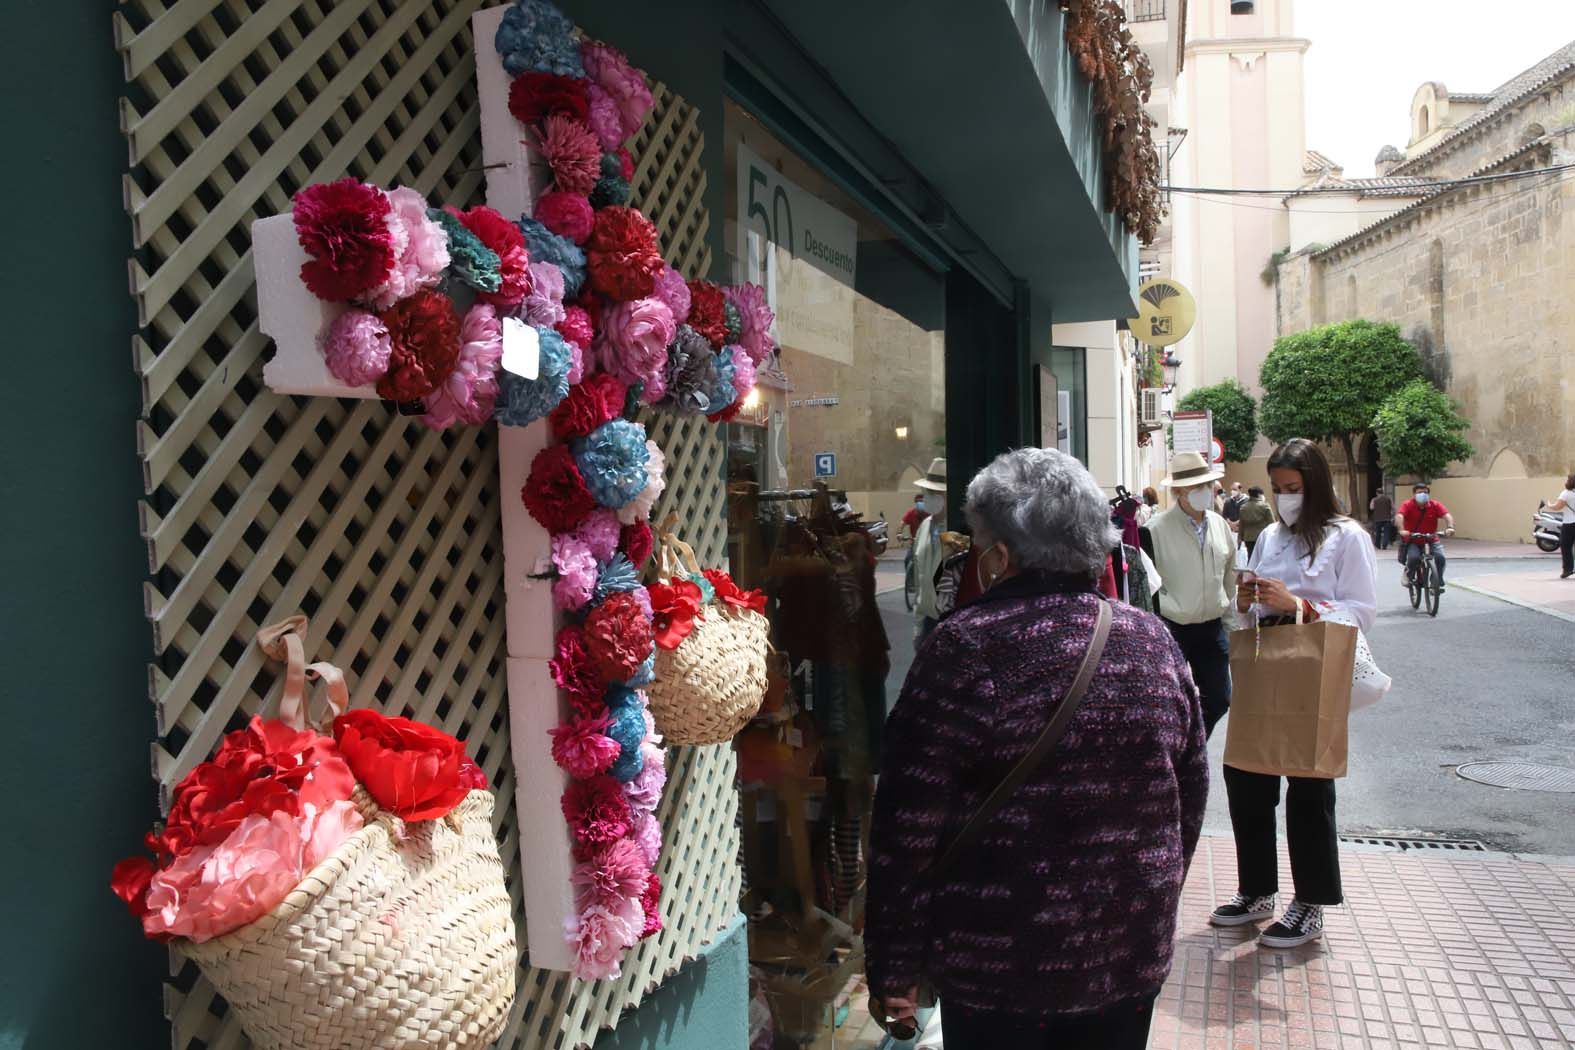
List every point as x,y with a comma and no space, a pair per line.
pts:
386,534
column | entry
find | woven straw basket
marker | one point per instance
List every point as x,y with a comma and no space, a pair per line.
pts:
708,688
403,938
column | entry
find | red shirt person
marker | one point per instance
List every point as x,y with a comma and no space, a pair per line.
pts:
1422,515
915,516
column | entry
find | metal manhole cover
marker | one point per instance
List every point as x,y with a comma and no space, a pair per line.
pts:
1519,775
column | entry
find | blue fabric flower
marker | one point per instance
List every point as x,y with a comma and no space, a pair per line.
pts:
629,764
523,401
646,674
610,189
535,35
612,165
546,246
628,729
722,393
707,592
613,458
471,260
620,698
615,577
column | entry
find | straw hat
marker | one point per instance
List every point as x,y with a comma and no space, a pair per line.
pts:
1190,468
935,481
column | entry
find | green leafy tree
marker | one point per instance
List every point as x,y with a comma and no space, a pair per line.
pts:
1327,384
1235,416
1419,430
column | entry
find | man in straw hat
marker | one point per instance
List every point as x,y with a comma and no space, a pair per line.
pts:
1195,553
928,551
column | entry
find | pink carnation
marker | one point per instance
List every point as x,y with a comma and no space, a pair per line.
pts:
544,304
466,397
572,152
576,364
646,833
743,372
566,214
750,299
645,790
639,508
613,875
672,289
643,597
576,572
599,533
420,249
608,67
356,347
603,118
601,935
576,327
582,748
634,338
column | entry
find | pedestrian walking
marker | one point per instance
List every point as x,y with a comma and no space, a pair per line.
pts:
1319,562
1195,552
1381,511
1565,505
1029,841
1150,506
1256,515
928,550
1231,511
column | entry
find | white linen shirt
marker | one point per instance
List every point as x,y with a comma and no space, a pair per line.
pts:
1342,578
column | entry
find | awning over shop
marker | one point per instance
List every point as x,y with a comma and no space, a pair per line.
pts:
984,100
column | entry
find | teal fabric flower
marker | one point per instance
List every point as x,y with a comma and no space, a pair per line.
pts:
616,576
612,458
546,246
535,35
470,260
523,401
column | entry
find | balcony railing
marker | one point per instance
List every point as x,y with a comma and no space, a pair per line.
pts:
1146,10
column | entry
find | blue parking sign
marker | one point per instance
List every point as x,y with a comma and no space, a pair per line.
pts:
825,464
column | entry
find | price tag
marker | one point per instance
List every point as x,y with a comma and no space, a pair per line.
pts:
521,349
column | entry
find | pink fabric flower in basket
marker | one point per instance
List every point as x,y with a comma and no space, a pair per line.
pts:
572,152
356,347
612,875
634,338
613,73
466,397
420,249
600,935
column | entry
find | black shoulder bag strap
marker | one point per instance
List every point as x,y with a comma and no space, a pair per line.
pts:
1048,739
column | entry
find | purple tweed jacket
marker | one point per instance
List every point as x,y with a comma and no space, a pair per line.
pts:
1068,902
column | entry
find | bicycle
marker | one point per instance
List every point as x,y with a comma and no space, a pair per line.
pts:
1422,581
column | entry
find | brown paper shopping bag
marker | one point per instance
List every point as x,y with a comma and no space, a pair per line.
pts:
1290,699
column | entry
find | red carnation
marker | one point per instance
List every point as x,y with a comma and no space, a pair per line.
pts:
707,312
506,239
596,811
651,901
533,96
575,673
582,748
576,326
622,257
410,769
589,404
555,493
424,331
618,637
730,593
343,226
728,414
674,607
626,164
566,214
637,542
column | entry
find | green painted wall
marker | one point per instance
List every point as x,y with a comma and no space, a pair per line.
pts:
75,972
704,1007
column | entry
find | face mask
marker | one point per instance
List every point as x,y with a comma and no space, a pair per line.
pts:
980,575
1422,498
1290,507
1200,499
919,503
937,510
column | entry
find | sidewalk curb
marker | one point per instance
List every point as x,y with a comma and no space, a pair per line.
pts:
1521,602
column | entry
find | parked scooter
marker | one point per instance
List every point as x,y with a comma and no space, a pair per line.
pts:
1545,528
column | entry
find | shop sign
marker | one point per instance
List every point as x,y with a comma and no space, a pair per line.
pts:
1193,432
825,464
816,402
789,216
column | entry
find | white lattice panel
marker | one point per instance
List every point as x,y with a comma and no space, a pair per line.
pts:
385,534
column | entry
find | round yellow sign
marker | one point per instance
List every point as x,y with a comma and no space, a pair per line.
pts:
1166,311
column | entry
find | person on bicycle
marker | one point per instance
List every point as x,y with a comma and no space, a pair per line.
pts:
1423,522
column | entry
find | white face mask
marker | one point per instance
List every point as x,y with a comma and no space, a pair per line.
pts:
935,508
1422,498
1289,506
1200,499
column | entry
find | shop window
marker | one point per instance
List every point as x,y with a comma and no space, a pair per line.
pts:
824,466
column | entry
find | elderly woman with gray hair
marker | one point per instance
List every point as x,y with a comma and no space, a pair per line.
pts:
1026,867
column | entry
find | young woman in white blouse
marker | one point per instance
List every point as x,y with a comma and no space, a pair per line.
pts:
1320,560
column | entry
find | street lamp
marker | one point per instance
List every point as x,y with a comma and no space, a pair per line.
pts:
1171,364
902,433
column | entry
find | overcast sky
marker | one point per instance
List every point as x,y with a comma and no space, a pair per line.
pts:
1368,57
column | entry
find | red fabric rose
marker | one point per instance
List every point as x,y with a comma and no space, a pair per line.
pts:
591,403
575,672
707,312
596,811
576,326
618,637
534,95
582,748
566,214
674,606
424,331
729,592
343,226
637,543
621,256
651,901
626,163
507,240
129,881
555,493
412,770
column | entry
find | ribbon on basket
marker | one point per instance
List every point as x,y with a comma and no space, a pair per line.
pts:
285,641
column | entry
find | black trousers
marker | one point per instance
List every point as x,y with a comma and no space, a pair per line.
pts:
1207,649
1567,547
1309,823
1120,1027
